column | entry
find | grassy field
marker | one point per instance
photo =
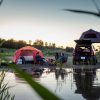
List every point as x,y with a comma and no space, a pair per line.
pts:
48,53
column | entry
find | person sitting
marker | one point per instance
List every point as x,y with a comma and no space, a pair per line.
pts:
23,59
39,59
51,62
63,58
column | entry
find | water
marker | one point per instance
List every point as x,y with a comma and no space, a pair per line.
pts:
70,86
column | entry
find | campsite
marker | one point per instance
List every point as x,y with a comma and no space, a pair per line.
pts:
49,50
55,78
52,73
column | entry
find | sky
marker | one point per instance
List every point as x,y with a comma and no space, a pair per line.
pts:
45,20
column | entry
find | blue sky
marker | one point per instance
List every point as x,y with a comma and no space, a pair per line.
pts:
45,20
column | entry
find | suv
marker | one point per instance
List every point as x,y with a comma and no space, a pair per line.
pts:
84,53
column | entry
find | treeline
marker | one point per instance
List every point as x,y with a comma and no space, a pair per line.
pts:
13,44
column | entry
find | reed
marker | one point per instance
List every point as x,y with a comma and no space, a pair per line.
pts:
4,89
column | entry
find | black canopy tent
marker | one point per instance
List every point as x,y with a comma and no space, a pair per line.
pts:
92,35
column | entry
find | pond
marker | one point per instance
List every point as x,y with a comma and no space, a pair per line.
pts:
74,85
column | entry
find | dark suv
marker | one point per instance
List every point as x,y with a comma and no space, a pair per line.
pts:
84,53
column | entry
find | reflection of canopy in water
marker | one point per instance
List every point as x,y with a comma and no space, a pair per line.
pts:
92,35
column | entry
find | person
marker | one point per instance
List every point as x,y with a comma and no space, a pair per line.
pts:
56,56
39,59
63,58
23,59
51,62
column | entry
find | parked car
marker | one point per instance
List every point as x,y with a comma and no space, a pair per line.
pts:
84,53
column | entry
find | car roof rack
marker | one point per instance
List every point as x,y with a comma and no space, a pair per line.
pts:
83,41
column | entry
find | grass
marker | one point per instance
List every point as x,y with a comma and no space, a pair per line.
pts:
51,52
4,89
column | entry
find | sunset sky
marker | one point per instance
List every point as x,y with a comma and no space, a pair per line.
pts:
45,20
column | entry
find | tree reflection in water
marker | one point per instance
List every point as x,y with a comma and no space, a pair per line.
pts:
85,84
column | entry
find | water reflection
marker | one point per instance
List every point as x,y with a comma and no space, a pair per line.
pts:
66,83
85,84
34,73
60,76
20,89
60,73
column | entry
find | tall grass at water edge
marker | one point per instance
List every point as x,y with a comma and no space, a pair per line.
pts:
4,89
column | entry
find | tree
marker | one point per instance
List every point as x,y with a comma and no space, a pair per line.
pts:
69,49
21,43
53,45
11,43
30,42
46,44
38,43
49,45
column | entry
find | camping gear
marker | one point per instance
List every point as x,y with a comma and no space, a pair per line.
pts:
28,52
92,35
19,61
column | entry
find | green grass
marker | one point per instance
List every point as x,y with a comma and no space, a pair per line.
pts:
7,54
4,89
51,52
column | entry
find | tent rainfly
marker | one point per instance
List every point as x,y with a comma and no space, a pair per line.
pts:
26,52
92,35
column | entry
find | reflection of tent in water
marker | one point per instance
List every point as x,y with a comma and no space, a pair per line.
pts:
92,35
27,52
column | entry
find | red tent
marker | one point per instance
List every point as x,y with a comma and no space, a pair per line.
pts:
26,51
